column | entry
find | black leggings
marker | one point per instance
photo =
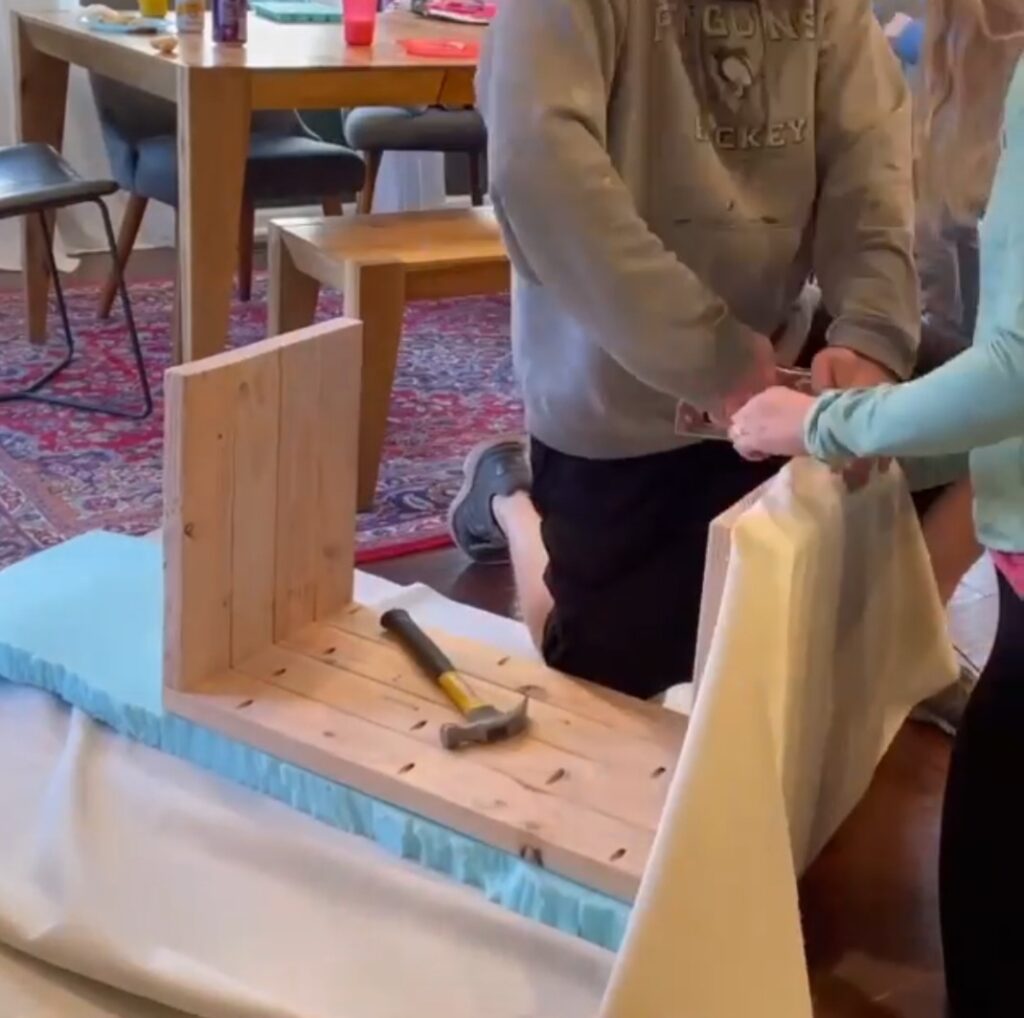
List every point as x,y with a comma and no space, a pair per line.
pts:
981,871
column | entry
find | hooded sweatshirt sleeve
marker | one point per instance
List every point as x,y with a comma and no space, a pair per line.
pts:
569,221
864,235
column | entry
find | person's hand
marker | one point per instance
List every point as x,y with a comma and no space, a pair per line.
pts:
838,368
772,424
760,376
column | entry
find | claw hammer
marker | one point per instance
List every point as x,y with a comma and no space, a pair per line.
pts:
483,722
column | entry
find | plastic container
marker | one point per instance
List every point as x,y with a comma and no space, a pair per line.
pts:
360,18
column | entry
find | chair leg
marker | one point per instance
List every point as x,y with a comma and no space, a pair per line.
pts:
476,186
34,391
246,229
126,236
373,160
332,207
129,318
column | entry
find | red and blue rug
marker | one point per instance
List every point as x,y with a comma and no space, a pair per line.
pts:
63,472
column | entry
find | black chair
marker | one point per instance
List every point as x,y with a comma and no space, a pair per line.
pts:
374,130
36,181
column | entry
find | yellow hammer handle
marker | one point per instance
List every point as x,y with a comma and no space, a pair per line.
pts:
459,693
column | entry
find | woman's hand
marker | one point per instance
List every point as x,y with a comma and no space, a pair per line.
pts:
771,424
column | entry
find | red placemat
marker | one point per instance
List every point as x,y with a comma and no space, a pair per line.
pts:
457,48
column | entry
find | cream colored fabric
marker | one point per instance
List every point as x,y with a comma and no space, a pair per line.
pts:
829,631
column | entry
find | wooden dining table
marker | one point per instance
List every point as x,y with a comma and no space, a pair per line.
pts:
216,87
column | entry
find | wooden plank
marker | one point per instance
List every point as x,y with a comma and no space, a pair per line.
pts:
337,327
598,851
546,769
256,399
549,723
295,588
339,401
314,541
198,518
221,477
624,713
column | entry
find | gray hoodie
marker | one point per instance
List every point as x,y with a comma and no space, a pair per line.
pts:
667,175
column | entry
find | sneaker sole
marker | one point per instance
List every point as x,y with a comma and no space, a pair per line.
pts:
469,468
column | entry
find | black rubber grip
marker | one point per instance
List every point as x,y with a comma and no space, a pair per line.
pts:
427,654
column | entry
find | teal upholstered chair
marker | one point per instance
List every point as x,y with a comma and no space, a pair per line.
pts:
288,165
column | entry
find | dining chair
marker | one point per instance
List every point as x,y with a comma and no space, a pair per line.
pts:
35,181
374,130
288,165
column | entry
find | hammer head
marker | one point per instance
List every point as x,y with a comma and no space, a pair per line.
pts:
485,724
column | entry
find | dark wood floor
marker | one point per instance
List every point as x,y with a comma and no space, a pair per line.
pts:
869,902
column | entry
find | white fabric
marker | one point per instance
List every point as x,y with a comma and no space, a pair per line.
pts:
409,181
147,874
830,630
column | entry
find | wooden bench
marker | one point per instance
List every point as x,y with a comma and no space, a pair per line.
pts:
379,262
264,642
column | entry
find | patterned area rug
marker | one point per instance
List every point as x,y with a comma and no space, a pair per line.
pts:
63,472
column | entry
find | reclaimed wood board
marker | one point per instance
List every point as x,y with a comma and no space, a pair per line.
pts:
266,646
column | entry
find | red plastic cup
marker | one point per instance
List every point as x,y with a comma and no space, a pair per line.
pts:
360,19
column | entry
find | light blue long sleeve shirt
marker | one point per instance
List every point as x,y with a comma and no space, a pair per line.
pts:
974,402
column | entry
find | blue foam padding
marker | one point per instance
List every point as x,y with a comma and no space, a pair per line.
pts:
84,621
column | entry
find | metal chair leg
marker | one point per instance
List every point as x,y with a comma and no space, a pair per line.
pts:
34,391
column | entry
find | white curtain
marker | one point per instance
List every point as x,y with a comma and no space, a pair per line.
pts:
409,180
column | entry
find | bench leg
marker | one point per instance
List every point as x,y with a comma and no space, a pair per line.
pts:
375,294
292,295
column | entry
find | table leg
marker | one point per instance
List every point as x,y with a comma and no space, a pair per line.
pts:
213,144
376,295
41,104
291,294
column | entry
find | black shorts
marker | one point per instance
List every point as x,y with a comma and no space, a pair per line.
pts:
626,541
